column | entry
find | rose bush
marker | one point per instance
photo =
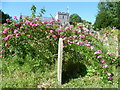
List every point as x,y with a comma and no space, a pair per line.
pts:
39,40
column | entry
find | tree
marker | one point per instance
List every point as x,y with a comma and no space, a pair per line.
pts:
33,10
75,18
3,17
42,11
108,15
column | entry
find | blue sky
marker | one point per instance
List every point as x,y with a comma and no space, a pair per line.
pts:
86,10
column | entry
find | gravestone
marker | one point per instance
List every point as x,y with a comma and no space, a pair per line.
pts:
60,54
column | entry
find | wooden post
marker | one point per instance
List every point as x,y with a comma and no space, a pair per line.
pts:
60,52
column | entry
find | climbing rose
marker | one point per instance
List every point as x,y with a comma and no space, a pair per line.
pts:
2,51
28,35
82,36
80,26
51,31
104,66
6,44
110,78
109,74
47,36
54,36
16,24
75,36
79,43
88,45
99,56
92,47
65,38
102,61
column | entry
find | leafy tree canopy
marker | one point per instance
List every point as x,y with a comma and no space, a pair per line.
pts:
75,18
3,17
108,15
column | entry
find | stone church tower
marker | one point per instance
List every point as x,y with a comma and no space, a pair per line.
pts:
63,17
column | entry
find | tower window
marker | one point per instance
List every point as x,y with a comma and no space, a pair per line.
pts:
63,17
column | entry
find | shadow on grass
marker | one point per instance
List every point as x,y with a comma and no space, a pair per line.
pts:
73,70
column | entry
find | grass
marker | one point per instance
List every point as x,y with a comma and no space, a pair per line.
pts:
16,76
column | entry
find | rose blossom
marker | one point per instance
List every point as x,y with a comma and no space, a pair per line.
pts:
79,43
109,74
99,56
92,47
88,45
75,36
102,61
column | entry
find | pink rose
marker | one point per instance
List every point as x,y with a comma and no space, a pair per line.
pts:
88,45
47,36
80,26
54,36
65,38
82,36
104,66
92,47
15,30
2,51
79,43
6,44
28,35
51,31
15,17
102,61
16,24
17,34
109,74
99,56
75,36
71,26
66,28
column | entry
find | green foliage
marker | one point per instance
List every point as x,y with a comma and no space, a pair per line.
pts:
108,15
33,10
32,45
3,17
75,18
42,11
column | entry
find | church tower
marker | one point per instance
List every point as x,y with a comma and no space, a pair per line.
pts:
63,17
